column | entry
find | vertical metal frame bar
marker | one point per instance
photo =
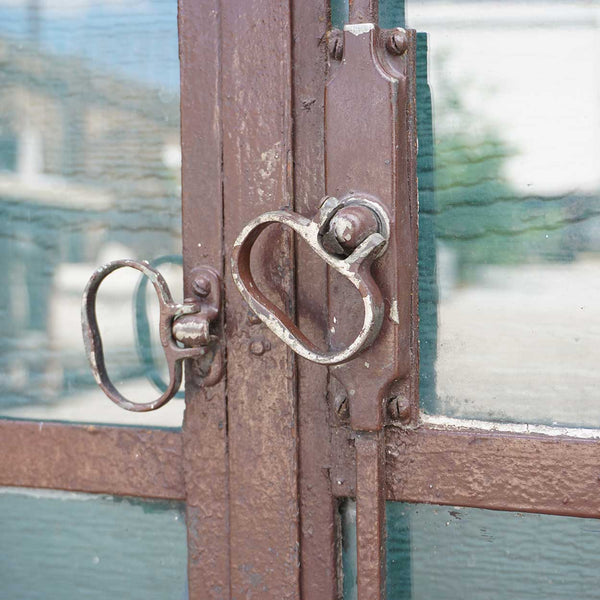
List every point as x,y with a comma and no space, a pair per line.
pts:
261,379
318,507
205,455
370,150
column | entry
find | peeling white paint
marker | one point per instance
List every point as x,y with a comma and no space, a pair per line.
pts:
359,28
394,312
441,422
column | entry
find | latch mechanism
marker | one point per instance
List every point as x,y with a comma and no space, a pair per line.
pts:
184,330
370,165
348,235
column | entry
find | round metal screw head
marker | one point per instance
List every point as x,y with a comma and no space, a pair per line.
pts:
397,43
259,347
398,409
201,286
352,225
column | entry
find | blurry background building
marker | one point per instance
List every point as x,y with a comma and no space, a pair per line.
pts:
89,171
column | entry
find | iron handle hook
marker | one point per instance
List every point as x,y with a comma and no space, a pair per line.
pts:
170,331
356,267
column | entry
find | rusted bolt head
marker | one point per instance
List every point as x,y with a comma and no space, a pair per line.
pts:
398,409
397,43
201,286
352,225
335,42
259,347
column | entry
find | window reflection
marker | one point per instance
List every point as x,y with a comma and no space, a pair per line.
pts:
89,172
510,209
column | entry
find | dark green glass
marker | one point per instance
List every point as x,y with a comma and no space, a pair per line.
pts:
74,546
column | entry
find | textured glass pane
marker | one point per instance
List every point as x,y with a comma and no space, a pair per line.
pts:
509,184
89,172
73,546
456,553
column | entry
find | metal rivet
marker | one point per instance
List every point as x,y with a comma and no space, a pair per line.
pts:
398,409
397,43
259,347
201,286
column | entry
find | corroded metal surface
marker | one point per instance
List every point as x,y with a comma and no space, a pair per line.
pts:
175,322
355,268
517,472
383,168
96,459
363,11
368,105
318,507
205,458
261,388
370,515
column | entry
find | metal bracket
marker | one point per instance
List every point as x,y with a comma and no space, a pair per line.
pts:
370,147
187,324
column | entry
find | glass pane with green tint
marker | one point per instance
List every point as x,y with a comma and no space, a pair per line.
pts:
509,191
89,172
457,553
73,546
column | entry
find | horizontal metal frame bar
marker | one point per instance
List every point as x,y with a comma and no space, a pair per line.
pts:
473,468
494,470
123,461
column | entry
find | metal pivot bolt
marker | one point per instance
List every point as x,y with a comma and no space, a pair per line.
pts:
348,235
187,324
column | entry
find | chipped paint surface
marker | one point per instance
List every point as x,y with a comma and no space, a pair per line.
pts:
394,312
441,422
359,28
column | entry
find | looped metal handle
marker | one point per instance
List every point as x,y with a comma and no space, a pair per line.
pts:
169,311
355,267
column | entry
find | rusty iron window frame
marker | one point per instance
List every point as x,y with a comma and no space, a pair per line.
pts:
276,512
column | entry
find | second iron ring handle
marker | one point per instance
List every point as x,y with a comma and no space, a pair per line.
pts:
348,235
186,324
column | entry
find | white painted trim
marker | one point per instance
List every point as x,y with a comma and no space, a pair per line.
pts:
441,422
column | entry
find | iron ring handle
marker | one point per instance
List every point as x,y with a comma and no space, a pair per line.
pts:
355,268
142,325
169,311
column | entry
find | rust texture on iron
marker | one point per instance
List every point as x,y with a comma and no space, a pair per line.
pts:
205,457
368,106
261,388
484,469
367,103
122,461
363,11
370,515
187,323
351,261
517,472
316,424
